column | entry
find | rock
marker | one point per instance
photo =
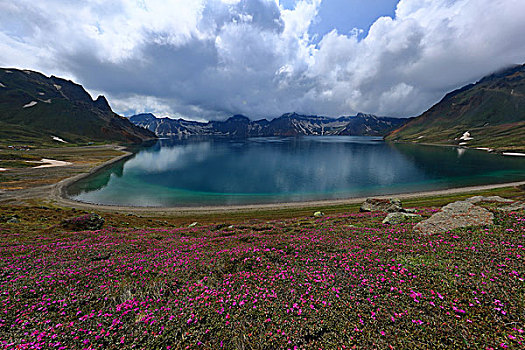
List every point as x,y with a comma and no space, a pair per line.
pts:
498,199
318,214
518,206
193,224
101,257
13,220
91,222
220,226
389,205
399,218
455,215
410,210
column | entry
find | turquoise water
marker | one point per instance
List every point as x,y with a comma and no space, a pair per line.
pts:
272,170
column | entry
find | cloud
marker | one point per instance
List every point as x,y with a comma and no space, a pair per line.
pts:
208,59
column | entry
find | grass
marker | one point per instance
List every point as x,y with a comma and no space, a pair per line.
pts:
21,176
15,164
264,280
506,137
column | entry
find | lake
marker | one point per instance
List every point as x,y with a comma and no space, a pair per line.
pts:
210,172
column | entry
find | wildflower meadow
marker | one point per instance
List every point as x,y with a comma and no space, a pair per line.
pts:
334,282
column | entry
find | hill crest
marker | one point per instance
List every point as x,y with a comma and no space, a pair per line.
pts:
492,111
35,108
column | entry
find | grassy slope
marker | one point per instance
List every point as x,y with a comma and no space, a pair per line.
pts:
65,110
21,177
265,283
493,111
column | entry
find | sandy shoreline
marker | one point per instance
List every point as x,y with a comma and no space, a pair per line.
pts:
58,195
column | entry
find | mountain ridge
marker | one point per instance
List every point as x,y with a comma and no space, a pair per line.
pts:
35,108
289,124
491,111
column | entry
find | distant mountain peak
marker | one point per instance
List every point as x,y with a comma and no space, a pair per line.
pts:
239,118
102,103
289,124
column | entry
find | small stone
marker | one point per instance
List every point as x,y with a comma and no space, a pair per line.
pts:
389,205
193,224
399,218
91,222
318,214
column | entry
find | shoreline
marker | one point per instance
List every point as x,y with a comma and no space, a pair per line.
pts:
59,189
203,210
58,195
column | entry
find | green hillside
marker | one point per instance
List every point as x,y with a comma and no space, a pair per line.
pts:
35,108
492,111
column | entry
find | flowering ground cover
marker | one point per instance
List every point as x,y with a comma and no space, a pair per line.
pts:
343,281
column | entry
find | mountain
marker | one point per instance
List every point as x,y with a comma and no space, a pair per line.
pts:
290,124
35,108
489,113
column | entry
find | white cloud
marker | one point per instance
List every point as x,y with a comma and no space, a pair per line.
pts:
207,59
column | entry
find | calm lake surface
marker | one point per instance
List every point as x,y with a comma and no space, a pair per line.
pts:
271,170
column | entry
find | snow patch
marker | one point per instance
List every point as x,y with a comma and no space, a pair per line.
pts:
420,137
514,154
58,87
30,104
56,138
466,136
27,71
463,143
8,71
2,85
3,169
51,163
46,101
41,93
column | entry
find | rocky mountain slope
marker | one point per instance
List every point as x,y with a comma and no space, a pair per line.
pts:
41,110
489,113
290,124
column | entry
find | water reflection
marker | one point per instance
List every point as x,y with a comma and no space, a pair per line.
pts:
180,172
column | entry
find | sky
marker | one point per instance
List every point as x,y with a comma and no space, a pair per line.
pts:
210,59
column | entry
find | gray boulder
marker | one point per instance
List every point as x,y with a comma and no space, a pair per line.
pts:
399,218
90,222
389,205
455,215
518,206
497,199
13,220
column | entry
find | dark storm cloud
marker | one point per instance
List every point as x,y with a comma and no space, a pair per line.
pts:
207,59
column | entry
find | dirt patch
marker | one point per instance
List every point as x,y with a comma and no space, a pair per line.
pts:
20,184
